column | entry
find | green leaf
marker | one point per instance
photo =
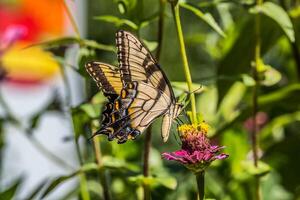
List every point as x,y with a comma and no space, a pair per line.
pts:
117,21
206,17
240,52
85,55
115,163
73,40
182,86
55,182
273,131
151,45
10,192
36,190
228,108
289,93
80,122
277,14
166,181
261,169
271,76
92,110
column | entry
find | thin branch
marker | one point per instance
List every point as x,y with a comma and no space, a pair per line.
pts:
102,172
255,98
72,20
176,15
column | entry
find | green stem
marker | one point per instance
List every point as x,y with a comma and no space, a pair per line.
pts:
147,147
84,192
162,5
255,98
102,172
200,184
176,15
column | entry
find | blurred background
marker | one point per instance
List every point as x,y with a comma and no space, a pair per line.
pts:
49,107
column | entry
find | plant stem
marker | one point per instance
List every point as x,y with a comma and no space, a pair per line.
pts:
72,20
147,147
200,184
176,15
162,6
255,99
102,174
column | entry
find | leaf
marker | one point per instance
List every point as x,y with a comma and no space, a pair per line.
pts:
271,76
228,108
80,122
240,53
206,17
166,181
286,94
85,55
55,182
37,189
277,14
261,170
115,163
272,132
92,110
117,21
59,180
73,40
182,86
151,45
10,192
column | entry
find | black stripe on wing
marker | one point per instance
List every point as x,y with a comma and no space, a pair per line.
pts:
107,77
136,62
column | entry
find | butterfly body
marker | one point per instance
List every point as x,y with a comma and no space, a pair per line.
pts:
138,91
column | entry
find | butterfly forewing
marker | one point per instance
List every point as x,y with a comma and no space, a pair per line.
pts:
106,76
137,64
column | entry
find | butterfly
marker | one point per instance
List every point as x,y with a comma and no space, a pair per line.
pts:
138,91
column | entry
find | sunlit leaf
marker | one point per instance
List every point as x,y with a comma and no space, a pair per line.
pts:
206,17
115,163
168,182
117,21
152,45
271,76
277,14
92,110
261,169
73,40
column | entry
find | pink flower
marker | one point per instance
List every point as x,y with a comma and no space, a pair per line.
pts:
11,34
196,153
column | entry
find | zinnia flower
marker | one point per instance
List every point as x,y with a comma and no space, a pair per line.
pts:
196,152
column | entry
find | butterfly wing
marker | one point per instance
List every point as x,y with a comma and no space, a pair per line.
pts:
137,64
108,79
139,107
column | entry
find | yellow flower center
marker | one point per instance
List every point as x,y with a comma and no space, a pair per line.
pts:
192,129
